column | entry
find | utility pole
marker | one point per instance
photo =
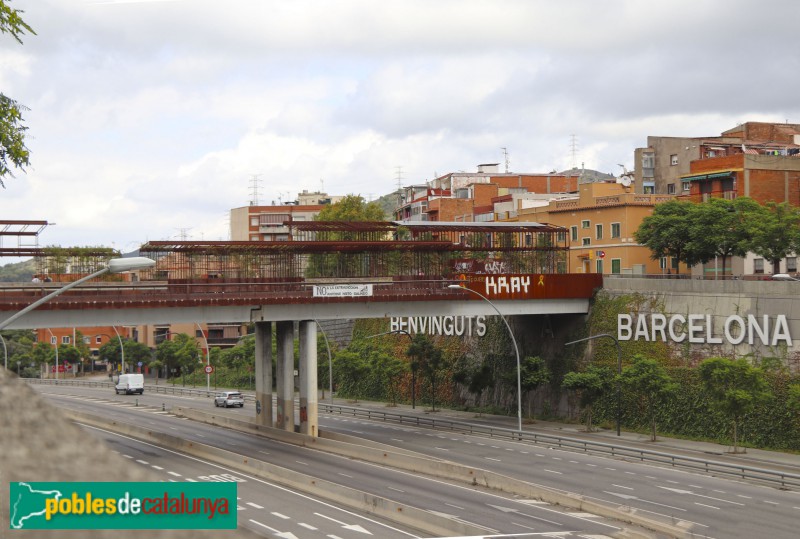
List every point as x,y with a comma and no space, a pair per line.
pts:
505,156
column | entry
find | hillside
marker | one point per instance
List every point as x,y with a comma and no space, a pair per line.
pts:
18,272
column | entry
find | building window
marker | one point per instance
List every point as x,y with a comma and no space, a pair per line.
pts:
86,340
758,265
670,188
687,186
584,224
791,264
649,190
561,236
98,339
53,340
616,265
254,221
599,265
586,241
574,233
598,229
65,339
615,230
254,237
528,240
673,159
662,263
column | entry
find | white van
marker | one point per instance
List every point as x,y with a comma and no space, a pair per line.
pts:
130,383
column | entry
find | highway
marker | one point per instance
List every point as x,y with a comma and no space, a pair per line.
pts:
493,512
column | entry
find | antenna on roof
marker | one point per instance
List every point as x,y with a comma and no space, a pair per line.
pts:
505,155
573,148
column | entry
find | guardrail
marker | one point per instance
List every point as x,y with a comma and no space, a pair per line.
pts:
778,478
166,389
781,479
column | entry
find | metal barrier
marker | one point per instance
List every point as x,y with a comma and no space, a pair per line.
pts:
772,477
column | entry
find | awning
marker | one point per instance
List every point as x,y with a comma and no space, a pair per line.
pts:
712,176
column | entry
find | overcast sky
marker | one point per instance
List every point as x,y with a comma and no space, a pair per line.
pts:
148,118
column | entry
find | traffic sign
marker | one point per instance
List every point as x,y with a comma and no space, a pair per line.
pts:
601,254
209,369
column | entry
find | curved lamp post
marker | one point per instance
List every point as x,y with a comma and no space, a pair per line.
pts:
55,346
619,370
5,350
330,362
115,265
516,349
121,348
208,361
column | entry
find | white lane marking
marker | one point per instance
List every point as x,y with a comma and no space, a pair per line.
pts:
273,530
275,513
595,466
454,506
612,469
771,503
127,456
696,486
396,439
176,474
264,452
345,475
396,489
156,467
620,486
745,497
552,471
142,462
301,463
307,526
704,505
442,449
190,480
720,491
490,458
200,435
523,526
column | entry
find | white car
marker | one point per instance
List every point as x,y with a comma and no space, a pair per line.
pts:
229,398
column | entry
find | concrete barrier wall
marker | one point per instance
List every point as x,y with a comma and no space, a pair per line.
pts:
443,469
719,300
425,521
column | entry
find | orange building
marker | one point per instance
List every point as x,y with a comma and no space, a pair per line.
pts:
601,222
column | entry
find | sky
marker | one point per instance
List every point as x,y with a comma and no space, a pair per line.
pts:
152,119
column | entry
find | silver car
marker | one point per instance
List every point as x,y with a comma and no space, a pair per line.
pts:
229,398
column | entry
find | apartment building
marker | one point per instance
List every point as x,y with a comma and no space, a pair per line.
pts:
600,222
267,223
667,163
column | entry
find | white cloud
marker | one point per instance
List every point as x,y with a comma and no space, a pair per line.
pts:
149,117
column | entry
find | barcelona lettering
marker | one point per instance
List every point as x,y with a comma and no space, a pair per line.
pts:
699,329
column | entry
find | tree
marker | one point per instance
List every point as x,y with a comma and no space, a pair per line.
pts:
667,231
429,359
352,208
13,152
349,368
388,370
721,228
135,352
649,381
534,373
735,387
793,399
181,351
590,385
775,232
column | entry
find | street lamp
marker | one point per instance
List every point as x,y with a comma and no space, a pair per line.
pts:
115,265
55,345
516,349
619,370
330,362
5,351
208,360
121,348
413,364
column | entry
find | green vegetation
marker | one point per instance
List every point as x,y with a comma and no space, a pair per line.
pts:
648,380
697,233
13,152
590,386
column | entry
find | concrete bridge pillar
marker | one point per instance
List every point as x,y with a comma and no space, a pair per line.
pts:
285,375
264,374
308,378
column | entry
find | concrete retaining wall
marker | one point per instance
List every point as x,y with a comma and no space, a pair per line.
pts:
719,300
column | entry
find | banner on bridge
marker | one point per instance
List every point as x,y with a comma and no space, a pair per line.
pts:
343,291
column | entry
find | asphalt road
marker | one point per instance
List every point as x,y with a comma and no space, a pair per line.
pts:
494,512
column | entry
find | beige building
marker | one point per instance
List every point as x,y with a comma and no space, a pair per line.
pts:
600,223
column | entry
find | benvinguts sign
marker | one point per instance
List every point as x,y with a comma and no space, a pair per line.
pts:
699,329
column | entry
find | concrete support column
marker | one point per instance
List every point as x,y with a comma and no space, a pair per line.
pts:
309,421
284,366
264,374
